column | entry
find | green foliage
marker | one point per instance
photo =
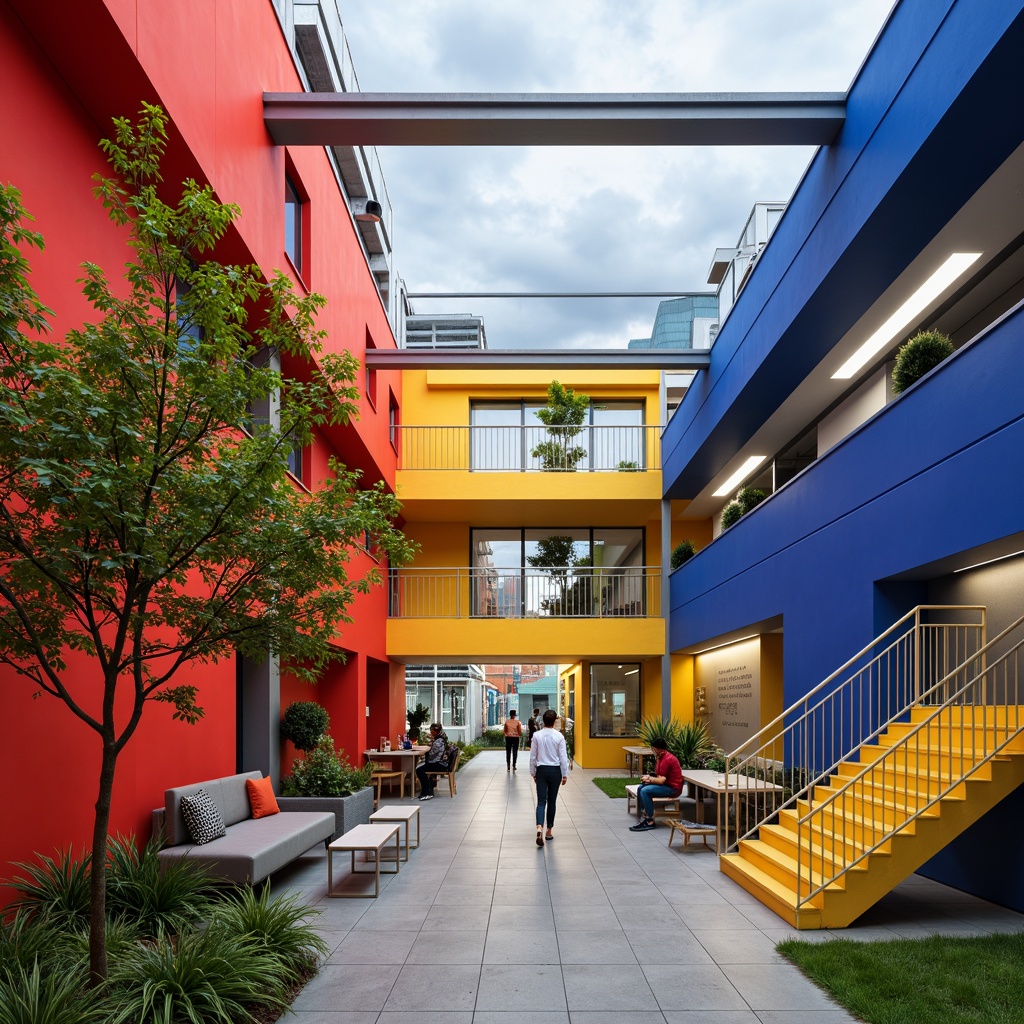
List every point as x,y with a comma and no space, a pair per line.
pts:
919,356
417,718
690,741
466,753
157,900
569,732
628,466
24,940
55,890
492,738
205,977
282,926
304,722
571,575
563,416
682,553
732,513
30,995
144,528
325,771
750,497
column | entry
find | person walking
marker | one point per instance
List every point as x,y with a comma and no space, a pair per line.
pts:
667,780
532,726
513,734
549,766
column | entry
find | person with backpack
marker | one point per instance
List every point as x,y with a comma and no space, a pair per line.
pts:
513,734
435,761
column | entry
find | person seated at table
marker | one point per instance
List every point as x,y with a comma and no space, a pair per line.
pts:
665,781
435,761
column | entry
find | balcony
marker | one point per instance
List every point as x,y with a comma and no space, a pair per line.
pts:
554,593
555,614
530,449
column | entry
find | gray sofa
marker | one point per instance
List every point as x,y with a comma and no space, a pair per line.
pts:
252,848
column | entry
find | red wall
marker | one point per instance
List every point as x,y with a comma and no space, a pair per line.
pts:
65,68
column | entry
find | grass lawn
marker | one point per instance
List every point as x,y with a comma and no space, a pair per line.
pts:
920,981
615,787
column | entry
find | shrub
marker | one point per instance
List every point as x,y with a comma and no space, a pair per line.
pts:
689,741
628,466
418,717
304,722
33,996
281,926
156,900
25,941
324,771
56,890
491,738
682,552
206,977
750,497
467,752
732,513
917,357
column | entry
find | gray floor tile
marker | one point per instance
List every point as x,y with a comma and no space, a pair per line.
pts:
588,987
424,987
618,1017
700,987
727,946
422,1017
519,1017
524,988
595,946
458,947
363,946
520,946
776,987
712,1017
664,946
347,987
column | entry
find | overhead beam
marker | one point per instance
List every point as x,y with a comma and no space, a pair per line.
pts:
553,119
677,359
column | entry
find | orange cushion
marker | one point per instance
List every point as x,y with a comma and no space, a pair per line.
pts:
261,797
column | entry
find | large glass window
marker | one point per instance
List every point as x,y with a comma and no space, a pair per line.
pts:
614,700
618,440
453,704
546,572
293,224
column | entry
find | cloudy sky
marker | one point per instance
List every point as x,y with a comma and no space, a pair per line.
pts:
588,218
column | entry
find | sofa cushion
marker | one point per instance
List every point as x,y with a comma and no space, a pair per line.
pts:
202,819
228,793
261,797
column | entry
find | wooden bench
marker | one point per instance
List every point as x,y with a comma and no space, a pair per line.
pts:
689,830
368,839
400,814
663,805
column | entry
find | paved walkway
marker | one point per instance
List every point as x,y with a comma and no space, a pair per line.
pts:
601,926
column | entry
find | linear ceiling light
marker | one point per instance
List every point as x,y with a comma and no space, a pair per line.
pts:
740,475
1001,558
954,266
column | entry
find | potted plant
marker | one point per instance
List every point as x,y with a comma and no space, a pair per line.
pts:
563,416
322,778
417,717
917,357
682,552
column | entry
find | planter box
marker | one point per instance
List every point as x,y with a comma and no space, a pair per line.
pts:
348,811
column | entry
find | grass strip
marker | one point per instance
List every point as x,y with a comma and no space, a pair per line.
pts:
919,981
613,787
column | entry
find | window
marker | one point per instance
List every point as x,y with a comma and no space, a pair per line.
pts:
370,382
293,217
614,700
571,572
453,704
190,333
394,420
297,462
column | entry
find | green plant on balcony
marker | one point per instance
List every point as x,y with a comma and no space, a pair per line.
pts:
573,589
682,553
628,466
563,416
919,356
732,513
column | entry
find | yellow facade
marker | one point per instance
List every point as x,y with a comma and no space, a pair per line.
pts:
438,613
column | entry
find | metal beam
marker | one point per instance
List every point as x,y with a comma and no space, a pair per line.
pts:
558,295
674,359
553,119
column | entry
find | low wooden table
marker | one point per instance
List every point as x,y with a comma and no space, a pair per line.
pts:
635,759
400,814
369,839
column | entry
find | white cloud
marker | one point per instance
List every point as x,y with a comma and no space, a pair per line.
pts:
588,219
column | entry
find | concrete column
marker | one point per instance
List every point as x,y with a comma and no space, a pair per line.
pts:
259,712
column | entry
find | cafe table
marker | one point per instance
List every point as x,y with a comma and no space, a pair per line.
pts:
635,759
400,760
705,780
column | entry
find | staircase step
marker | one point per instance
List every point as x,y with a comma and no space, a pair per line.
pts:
815,841
781,860
771,892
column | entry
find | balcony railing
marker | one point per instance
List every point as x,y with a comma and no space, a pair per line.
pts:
594,449
554,592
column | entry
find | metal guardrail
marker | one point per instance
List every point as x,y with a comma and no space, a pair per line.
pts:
551,592
533,449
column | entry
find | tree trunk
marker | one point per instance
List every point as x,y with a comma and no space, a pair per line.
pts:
98,875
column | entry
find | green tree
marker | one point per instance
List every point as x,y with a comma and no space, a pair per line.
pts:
140,526
556,557
563,416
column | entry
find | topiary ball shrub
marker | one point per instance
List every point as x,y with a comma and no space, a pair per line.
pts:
682,552
731,513
917,357
750,497
304,722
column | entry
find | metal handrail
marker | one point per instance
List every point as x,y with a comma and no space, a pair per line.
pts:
528,592
808,741
510,449
990,688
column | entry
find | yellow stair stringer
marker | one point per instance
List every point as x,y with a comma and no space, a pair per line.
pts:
845,900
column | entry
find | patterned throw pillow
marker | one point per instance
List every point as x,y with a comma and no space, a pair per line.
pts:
202,819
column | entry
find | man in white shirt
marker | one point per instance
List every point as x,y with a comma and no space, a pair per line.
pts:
549,766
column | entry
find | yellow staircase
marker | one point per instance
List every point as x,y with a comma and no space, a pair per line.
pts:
842,840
